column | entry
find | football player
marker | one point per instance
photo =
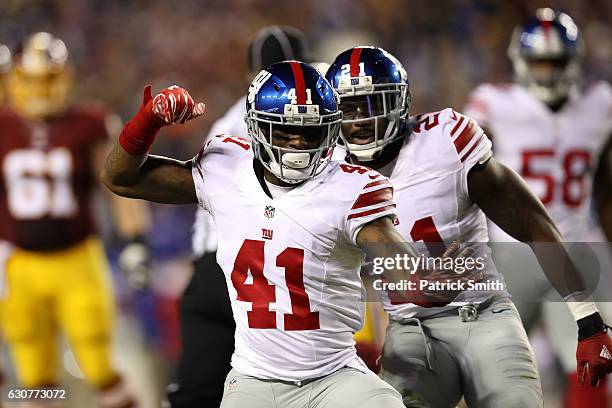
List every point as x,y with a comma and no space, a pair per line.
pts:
291,228
446,180
205,306
551,129
56,276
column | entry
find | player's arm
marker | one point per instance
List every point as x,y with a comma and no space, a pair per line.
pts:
507,201
130,170
602,193
131,216
132,222
380,239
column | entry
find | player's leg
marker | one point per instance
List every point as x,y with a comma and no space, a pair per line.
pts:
420,366
207,333
498,365
241,391
351,388
28,321
86,307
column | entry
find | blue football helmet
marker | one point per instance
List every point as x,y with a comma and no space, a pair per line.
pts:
373,74
548,36
292,94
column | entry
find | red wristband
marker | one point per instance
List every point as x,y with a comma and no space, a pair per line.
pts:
139,133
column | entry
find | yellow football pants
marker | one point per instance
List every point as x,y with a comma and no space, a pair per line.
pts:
48,291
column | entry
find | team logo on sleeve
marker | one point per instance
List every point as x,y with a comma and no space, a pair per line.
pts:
269,211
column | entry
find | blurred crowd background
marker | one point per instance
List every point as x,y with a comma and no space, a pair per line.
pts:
118,46
447,46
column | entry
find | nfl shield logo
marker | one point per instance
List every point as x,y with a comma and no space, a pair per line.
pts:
301,109
269,212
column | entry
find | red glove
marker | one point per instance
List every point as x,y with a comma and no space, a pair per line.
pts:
175,105
171,105
594,355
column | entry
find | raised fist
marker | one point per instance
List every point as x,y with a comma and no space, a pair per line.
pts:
174,105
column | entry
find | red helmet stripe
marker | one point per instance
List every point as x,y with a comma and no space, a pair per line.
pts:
355,55
546,26
300,86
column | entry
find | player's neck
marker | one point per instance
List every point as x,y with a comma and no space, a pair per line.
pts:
388,155
272,179
557,105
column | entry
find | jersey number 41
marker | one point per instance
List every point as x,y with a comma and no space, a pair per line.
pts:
261,293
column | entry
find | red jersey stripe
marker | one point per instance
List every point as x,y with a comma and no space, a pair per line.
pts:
465,156
373,197
355,55
300,86
457,126
376,183
370,212
465,136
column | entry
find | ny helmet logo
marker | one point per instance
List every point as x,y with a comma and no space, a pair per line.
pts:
269,211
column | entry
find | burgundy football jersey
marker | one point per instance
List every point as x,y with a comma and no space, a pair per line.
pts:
47,178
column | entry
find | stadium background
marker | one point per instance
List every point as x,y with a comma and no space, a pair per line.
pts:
116,47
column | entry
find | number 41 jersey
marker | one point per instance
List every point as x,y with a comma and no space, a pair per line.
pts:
291,263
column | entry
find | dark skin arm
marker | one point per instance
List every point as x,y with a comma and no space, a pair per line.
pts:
602,192
380,239
149,177
507,201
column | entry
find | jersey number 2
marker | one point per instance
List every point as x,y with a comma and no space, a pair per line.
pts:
261,293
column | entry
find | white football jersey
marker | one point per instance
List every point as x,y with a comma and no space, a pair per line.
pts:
433,205
556,153
204,238
291,263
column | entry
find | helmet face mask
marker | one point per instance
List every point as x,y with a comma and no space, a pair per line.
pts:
40,79
373,92
293,135
369,121
546,53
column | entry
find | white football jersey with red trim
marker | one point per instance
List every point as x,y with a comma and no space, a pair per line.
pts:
556,153
291,263
204,238
433,204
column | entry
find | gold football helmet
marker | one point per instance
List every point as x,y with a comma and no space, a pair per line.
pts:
40,77
5,66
